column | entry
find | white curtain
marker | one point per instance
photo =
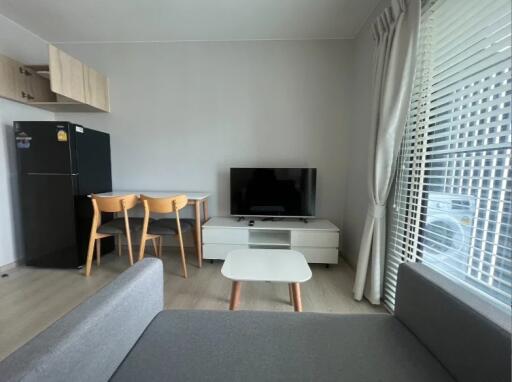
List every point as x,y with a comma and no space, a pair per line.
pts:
396,34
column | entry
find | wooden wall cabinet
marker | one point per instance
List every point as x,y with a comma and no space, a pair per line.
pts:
65,84
38,87
13,80
96,89
66,75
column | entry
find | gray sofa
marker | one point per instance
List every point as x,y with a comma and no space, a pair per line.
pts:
440,332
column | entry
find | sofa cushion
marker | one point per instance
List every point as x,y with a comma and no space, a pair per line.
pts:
117,226
169,226
270,346
469,335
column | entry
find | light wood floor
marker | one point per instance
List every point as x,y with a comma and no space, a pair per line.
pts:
31,299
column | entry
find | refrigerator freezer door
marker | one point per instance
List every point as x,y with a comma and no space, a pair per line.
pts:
45,147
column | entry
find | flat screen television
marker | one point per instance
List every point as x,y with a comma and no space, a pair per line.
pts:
273,192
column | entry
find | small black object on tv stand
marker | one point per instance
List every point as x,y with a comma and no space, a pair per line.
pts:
240,218
305,220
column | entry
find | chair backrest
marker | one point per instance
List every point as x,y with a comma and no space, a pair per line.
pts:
114,203
164,205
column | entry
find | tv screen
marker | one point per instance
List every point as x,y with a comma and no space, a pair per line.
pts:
285,192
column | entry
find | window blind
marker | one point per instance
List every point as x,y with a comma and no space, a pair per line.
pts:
452,196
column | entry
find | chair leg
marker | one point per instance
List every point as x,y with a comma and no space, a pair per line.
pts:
182,253
90,254
155,246
130,254
98,251
142,247
118,245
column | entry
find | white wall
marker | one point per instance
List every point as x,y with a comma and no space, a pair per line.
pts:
356,197
183,113
20,44
10,235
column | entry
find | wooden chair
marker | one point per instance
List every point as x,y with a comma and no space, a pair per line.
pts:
115,227
157,228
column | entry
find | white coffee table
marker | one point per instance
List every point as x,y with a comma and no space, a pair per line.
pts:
275,265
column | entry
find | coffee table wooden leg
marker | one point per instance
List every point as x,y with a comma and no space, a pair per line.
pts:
297,302
235,295
290,292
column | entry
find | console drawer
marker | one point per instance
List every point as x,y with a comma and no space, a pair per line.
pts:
315,239
219,251
319,255
225,236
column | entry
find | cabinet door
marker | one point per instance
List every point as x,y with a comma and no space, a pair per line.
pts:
66,75
38,88
319,255
12,80
220,251
313,238
96,89
225,236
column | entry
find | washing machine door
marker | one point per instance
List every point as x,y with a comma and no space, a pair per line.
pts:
444,236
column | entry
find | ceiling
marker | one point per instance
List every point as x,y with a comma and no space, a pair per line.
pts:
188,20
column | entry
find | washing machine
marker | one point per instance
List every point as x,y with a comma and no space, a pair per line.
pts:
446,236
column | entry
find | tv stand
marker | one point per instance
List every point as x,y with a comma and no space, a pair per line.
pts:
318,240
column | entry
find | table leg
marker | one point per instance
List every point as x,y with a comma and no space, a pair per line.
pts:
235,295
297,302
205,209
199,251
290,292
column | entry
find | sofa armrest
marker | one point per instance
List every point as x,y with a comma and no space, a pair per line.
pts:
90,342
469,335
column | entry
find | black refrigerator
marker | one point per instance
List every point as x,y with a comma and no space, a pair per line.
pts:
59,165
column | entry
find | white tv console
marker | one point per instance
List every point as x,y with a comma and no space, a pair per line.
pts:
318,239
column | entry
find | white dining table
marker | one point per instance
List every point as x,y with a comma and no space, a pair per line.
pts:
199,201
